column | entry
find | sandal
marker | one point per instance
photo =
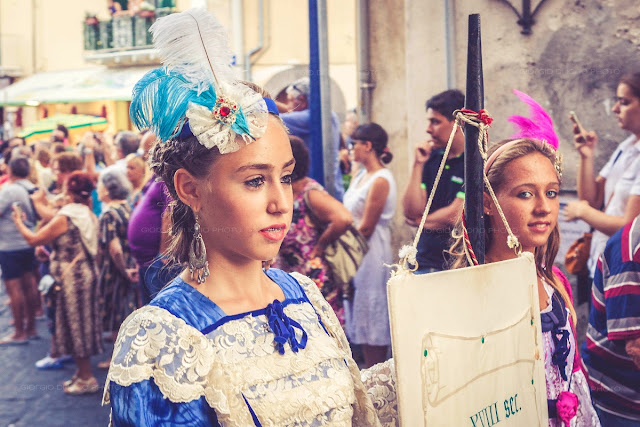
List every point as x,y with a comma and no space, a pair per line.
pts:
80,386
69,382
10,340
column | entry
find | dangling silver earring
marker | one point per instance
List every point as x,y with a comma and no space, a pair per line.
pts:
198,263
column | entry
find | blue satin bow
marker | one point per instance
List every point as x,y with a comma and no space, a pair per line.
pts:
560,354
553,321
284,328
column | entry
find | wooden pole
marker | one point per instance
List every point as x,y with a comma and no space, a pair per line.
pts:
473,182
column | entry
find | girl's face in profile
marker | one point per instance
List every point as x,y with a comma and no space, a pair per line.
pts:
627,108
103,194
248,199
529,200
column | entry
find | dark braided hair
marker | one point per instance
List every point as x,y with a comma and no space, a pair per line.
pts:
165,160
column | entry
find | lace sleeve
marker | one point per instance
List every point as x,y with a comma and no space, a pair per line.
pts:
364,412
586,416
154,344
380,383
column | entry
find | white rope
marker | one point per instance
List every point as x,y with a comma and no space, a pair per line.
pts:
431,195
408,253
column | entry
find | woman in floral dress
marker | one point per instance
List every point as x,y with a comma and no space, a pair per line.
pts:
117,268
302,247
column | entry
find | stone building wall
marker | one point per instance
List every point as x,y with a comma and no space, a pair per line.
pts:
577,52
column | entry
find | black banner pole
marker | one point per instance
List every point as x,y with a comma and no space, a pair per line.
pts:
473,182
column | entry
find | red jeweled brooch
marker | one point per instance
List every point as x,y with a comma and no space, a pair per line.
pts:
225,111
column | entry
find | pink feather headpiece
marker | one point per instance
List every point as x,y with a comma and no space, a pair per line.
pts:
538,126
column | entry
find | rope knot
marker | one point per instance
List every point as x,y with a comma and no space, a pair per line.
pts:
484,117
512,240
408,254
481,116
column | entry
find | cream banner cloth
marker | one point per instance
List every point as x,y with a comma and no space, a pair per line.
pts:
467,346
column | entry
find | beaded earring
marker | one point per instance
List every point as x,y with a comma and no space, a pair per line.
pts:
198,263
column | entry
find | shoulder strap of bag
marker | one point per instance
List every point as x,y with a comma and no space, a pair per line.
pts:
314,218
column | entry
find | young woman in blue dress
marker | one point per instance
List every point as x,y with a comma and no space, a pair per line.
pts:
228,343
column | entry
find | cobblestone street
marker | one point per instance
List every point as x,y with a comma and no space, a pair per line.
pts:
31,397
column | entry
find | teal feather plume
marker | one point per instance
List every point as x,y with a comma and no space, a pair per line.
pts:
160,101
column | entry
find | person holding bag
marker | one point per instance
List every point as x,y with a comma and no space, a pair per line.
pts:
318,220
371,198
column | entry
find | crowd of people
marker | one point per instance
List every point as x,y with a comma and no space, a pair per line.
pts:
66,209
92,230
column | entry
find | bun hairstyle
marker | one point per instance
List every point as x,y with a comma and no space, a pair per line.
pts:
377,136
633,81
79,187
166,157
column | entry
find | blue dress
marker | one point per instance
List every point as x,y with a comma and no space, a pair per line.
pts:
182,361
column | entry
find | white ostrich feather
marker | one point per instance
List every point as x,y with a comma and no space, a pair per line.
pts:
196,45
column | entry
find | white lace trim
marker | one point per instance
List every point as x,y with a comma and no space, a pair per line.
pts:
365,414
211,132
586,416
380,382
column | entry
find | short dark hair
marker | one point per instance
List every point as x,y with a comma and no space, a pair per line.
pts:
62,128
447,102
19,167
58,147
128,142
301,154
68,162
79,186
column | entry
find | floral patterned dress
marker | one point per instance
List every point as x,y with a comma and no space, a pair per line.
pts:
117,293
297,246
563,374
77,325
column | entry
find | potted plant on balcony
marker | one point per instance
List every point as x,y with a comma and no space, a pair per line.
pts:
90,29
143,19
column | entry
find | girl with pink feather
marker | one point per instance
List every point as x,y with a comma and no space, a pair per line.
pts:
525,174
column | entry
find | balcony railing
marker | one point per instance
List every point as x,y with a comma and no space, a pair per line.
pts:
122,33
